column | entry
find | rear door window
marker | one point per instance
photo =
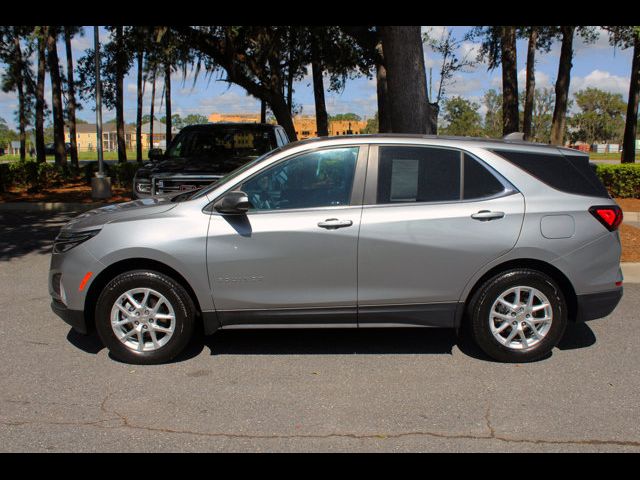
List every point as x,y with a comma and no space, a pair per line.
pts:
431,174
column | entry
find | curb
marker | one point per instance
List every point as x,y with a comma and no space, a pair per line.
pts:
630,217
630,272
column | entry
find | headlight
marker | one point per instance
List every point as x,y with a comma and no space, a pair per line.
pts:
143,187
65,241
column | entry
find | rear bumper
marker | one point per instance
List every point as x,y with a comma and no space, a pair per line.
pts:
75,318
597,305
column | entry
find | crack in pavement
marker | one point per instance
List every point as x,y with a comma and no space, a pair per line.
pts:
492,435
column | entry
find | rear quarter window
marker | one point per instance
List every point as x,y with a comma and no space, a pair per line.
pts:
565,172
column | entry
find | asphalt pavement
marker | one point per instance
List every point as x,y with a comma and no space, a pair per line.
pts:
301,390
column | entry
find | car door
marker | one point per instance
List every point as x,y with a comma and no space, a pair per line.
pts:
292,259
432,217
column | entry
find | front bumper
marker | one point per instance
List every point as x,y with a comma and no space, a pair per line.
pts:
75,318
597,305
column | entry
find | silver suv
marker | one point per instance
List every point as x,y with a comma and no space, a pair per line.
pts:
510,240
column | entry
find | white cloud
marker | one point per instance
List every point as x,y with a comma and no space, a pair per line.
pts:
463,86
542,79
602,80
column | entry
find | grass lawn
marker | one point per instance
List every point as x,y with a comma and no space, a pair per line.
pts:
87,156
609,156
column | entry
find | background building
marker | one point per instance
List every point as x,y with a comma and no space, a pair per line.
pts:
305,125
86,136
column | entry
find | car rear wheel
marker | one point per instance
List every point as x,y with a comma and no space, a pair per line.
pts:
518,316
144,317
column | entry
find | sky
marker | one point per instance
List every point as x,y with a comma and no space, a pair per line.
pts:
595,65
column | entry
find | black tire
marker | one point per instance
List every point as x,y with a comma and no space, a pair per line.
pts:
175,294
479,310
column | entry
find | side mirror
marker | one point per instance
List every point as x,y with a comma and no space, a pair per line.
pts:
236,202
155,154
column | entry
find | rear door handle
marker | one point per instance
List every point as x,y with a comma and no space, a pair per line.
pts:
334,223
484,215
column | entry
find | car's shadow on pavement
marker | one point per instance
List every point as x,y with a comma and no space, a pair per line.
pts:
577,335
331,341
25,232
424,341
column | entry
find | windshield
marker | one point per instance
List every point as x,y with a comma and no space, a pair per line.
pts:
230,176
220,143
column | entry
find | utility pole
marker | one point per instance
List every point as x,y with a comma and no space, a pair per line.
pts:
100,185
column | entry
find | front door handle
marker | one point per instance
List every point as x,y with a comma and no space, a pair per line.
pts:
484,215
333,223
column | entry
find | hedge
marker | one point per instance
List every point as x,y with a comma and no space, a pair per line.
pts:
621,179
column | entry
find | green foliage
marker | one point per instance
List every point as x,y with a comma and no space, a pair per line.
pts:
6,134
493,118
346,116
601,118
121,173
373,125
622,180
36,176
462,117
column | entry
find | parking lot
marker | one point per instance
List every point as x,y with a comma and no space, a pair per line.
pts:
303,390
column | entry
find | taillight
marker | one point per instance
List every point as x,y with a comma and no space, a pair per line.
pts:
609,215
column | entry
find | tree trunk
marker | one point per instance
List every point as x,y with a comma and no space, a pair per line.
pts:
384,121
322,120
139,108
263,111
19,65
531,84
509,81
562,86
153,101
56,101
71,103
167,93
39,127
631,124
406,79
280,109
120,128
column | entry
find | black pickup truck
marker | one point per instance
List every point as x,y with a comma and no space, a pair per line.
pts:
201,154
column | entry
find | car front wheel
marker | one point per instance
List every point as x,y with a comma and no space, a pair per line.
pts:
144,317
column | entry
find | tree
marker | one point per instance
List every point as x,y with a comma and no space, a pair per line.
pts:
69,32
373,125
6,134
330,50
541,118
40,34
539,38
193,119
627,37
115,62
352,117
601,116
17,77
406,80
448,47
56,91
498,46
252,57
462,117
563,80
492,101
